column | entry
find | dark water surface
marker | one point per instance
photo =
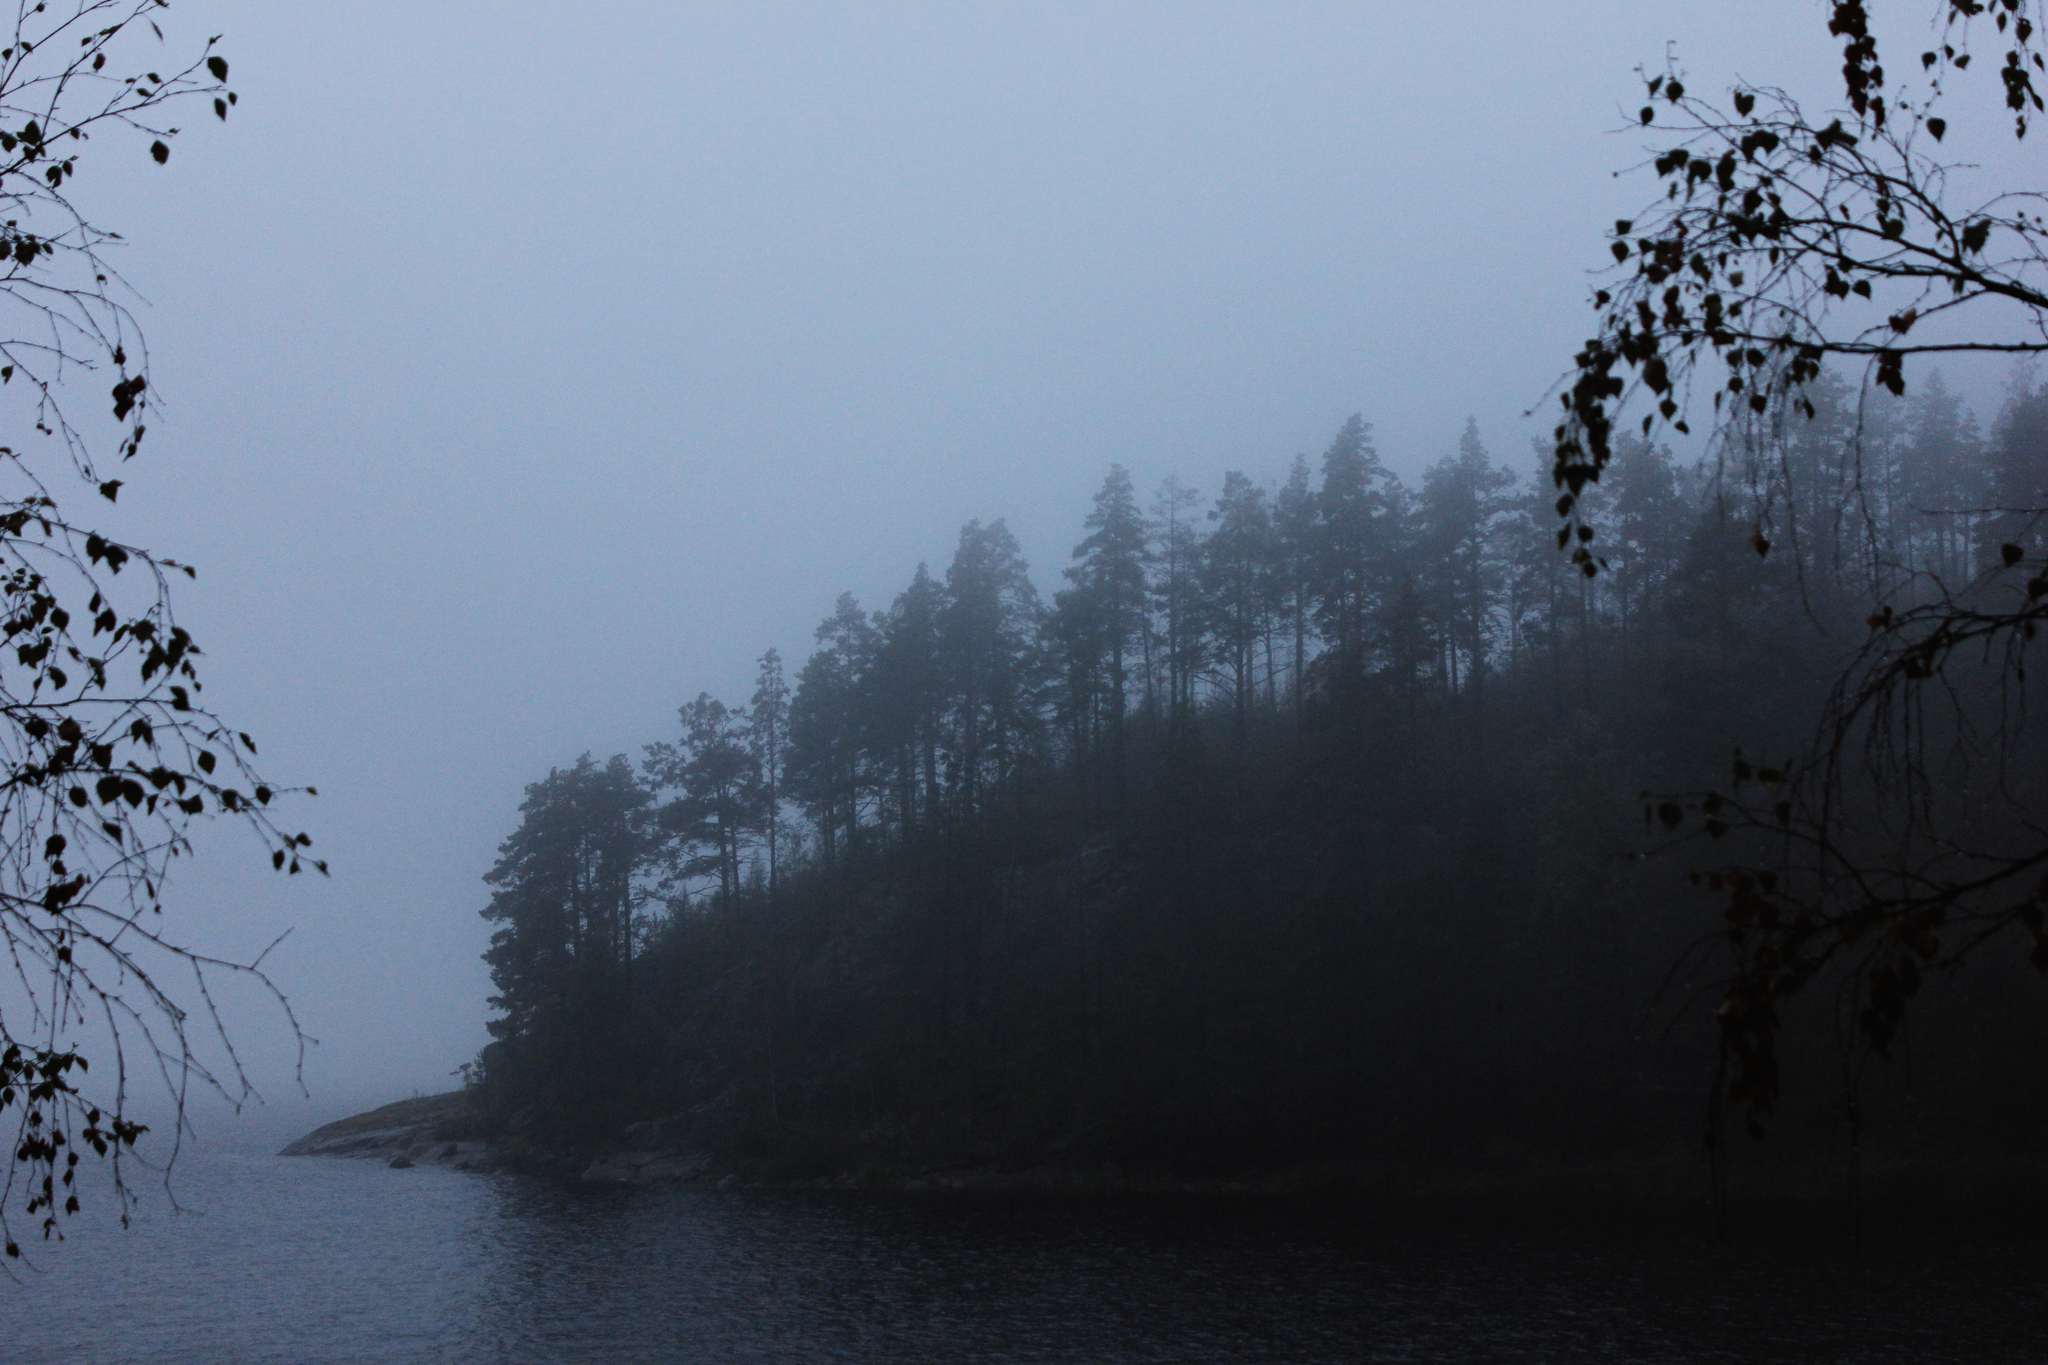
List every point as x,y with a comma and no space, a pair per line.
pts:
307,1260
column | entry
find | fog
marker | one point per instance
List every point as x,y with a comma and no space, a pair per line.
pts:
525,370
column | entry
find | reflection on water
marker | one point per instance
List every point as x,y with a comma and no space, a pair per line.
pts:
310,1260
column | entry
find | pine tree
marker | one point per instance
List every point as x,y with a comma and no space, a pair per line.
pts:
1110,588
828,720
1236,579
987,636
1943,481
2019,473
1463,499
720,807
768,741
1176,555
1651,521
1352,533
1074,649
1294,530
562,952
908,698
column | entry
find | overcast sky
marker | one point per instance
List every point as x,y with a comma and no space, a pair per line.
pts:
529,368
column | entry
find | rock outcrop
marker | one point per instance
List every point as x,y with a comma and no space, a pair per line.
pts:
443,1130
429,1130
646,1168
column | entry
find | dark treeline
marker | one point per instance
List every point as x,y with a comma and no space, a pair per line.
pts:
1291,830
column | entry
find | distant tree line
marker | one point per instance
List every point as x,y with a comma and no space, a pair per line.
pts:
1297,827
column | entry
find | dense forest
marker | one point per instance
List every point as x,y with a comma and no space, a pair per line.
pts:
1301,828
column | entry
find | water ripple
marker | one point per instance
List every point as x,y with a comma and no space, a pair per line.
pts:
329,1262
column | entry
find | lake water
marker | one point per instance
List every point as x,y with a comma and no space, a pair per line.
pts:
310,1260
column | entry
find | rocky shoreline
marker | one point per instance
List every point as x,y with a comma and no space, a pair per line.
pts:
444,1130
430,1129
448,1132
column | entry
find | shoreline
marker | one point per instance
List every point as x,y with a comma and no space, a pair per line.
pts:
446,1131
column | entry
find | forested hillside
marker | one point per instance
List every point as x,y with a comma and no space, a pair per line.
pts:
1295,827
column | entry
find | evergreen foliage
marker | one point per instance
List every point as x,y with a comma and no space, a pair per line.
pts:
562,954
1300,832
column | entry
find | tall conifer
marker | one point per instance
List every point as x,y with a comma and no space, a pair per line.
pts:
1110,574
